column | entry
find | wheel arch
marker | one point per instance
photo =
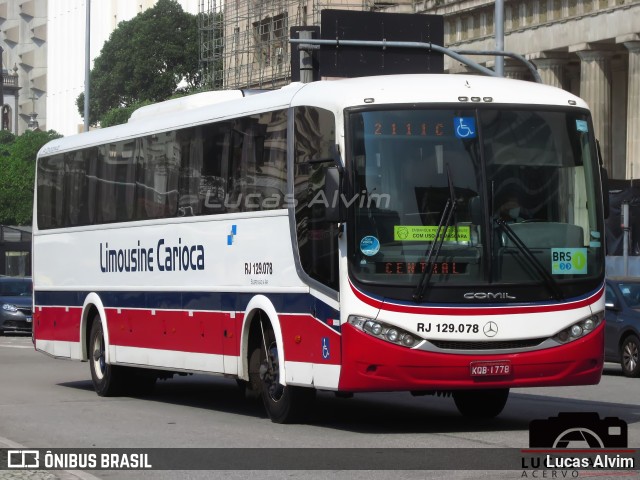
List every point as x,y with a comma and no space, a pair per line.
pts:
93,306
260,307
626,333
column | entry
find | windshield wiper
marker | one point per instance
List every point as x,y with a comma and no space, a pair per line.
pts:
436,245
549,281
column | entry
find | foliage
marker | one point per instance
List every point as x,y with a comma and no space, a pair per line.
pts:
145,58
17,164
118,116
6,138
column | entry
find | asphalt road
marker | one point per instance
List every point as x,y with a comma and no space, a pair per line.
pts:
47,403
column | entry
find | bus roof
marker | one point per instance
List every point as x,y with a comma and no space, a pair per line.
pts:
333,95
432,88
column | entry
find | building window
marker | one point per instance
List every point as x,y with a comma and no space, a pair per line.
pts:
508,18
535,13
270,38
471,33
6,117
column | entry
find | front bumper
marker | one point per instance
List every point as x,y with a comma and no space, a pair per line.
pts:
370,364
16,323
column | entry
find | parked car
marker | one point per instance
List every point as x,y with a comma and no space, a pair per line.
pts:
622,327
16,304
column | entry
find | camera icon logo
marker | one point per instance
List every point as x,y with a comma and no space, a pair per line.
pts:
23,459
578,430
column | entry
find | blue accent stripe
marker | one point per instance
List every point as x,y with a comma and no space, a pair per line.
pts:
300,303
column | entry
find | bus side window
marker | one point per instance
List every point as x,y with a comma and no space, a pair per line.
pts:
76,189
190,141
271,169
317,238
50,192
212,185
237,171
157,176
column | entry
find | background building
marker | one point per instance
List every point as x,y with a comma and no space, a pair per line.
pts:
23,24
588,47
253,44
67,21
15,251
9,103
44,52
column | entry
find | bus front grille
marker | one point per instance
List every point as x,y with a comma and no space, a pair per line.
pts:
487,345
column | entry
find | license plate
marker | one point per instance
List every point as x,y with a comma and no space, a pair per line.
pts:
490,369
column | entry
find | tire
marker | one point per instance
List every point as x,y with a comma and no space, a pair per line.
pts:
284,404
629,357
108,380
481,403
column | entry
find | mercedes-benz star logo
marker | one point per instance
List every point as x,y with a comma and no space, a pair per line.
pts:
490,329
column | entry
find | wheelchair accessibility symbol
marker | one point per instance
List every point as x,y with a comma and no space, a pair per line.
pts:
325,348
465,127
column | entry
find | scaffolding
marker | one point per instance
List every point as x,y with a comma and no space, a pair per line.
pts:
210,27
245,43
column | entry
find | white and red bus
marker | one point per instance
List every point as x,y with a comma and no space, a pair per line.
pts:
439,234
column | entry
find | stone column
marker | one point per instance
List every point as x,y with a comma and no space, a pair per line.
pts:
551,70
516,72
595,89
633,111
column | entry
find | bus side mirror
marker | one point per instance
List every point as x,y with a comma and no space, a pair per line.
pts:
604,179
604,176
334,211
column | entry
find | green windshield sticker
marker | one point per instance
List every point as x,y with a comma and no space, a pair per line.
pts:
569,261
427,233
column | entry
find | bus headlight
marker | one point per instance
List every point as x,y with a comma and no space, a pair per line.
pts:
385,332
579,329
374,328
392,335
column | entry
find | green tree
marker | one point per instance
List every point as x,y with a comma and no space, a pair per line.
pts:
17,165
6,137
118,116
145,58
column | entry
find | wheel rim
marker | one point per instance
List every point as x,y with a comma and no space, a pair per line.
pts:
630,356
272,377
98,357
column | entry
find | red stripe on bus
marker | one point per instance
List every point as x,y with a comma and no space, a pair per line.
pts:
199,332
303,340
57,323
477,310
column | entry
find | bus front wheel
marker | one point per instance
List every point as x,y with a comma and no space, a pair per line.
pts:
284,404
107,379
481,403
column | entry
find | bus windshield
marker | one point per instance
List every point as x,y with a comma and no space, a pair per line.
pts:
523,182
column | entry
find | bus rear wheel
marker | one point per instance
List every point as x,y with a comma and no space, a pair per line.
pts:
284,404
108,380
481,403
